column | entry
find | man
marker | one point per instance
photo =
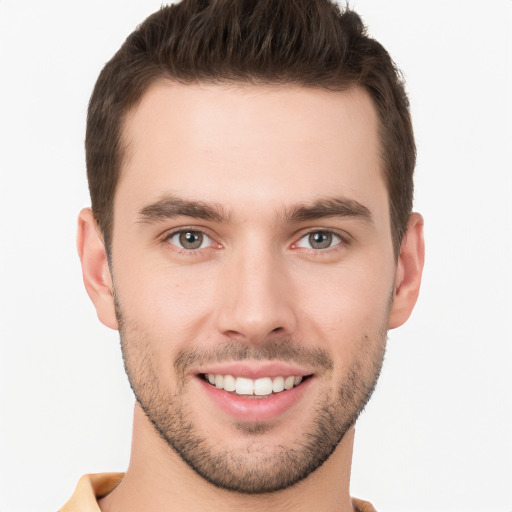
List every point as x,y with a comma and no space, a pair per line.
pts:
251,237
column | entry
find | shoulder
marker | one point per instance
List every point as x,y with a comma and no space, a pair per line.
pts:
362,506
89,489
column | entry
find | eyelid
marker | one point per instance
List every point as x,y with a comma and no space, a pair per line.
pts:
345,238
167,235
205,242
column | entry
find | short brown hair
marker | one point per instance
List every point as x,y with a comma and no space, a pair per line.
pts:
311,43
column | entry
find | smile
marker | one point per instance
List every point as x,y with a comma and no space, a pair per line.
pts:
262,387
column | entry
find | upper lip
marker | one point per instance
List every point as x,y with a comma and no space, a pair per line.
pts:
255,370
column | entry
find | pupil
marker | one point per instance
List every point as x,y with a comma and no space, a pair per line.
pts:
191,239
320,240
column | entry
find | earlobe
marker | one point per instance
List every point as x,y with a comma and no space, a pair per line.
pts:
408,272
95,270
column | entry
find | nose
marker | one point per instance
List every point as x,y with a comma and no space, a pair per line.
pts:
256,297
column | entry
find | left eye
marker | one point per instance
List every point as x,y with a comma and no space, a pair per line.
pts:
319,240
190,240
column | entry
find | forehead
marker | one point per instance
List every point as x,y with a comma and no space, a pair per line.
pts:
239,143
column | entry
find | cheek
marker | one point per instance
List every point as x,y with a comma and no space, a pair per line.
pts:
161,315
347,296
167,303
348,315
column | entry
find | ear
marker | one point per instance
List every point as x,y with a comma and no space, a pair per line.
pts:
95,270
408,272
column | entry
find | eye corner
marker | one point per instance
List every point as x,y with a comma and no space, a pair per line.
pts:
189,240
324,240
319,240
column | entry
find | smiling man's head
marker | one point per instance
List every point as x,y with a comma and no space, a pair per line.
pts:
251,235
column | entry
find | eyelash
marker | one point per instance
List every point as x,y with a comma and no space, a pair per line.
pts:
343,240
189,252
337,240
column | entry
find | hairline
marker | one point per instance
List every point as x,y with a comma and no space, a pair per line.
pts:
164,78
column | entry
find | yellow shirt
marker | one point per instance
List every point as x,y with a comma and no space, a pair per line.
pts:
89,489
92,487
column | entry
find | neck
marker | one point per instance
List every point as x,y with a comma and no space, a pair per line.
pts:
158,480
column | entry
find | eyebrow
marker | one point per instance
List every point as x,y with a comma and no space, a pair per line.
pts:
169,207
330,207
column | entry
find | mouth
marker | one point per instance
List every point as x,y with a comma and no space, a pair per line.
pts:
255,392
262,387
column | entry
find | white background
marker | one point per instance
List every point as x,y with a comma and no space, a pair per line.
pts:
437,434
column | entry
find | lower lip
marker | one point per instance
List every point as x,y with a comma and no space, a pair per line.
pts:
253,409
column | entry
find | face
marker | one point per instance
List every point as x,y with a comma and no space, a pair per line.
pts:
253,273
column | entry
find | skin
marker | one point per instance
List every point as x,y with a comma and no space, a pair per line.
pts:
256,282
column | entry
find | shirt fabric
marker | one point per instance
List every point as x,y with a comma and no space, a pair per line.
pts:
92,487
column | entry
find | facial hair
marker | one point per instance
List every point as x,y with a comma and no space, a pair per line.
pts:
259,468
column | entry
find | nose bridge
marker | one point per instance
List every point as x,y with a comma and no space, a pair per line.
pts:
256,300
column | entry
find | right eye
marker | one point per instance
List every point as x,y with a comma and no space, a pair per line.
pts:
189,239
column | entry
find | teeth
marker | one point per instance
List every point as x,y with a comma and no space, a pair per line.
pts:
263,386
244,386
278,384
289,382
259,387
229,383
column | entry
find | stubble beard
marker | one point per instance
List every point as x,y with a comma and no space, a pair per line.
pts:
258,468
